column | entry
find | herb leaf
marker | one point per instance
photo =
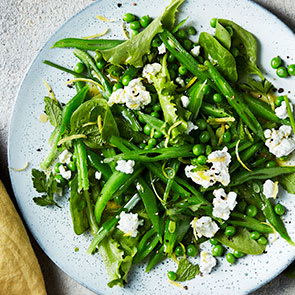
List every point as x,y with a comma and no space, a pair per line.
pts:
53,111
39,181
288,182
186,270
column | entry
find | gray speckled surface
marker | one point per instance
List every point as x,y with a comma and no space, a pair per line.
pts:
24,26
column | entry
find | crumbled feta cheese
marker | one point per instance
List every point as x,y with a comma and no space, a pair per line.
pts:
162,49
282,112
196,51
190,127
207,262
270,189
134,95
223,203
184,101
180,81
66,174
129,223
202,177
125,166
97,175
280,142
151,70
65,157
205,226
213,61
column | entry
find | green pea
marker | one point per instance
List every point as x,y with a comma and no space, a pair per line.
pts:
56,167
181,34
100,64
158,134
192,31
171,58
230,231
182,70
241,207
213,241
279,209
204,136
202,160
262,241
72,166
126,80
218,132
119,199
155,114
156,42
251,210
270,164
129,17
59,179
238,254
227,137
202,124
147,129
230,258
282,72
157,107
135,25
172,74
254,235
198,149
213,22
144,21
79,68
134,33
191,250
276,62
187,44
179,251
291,70
217,98
217,250
142,145
152,142
117,86
279,100
208,150
171,275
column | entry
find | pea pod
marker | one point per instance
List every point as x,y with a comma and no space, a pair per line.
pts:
95,161
157,257
196,99
211,110
170,236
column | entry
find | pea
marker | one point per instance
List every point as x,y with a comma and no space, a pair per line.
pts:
213,241
126,80
157,107
129,17
198,149
202,160
227,137
172,74
251,210
187,80
208,150
217,250
72,166
181,34
147,129
241,207
276,62
182,70
56,167
262,241
238,254
191,250
213,22
217,98
79,68
279,100
144,21
119,199
279,209
141,145
282,72
230,258
100,64
117,86
271,164
155,114
134,33
188,44
230,231
179,251
192,31
59,179
194,161
254,235
171,58
202,124
152,142
171,275
135,25
204,136
291,70
156,42
158,134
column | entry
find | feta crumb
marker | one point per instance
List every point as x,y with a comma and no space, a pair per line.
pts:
282,111
125,166
180,81
65,157
190,127
213,61
205,226
151,70
196,51
162,49
202,177
135,95
270,189
207,262
66,174
129,223
184,101
223,203
97,175
280,142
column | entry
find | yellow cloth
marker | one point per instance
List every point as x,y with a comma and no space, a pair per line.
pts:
20,273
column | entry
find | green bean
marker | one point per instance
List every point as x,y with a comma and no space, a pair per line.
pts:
174,166
170,236
155,123
290,112
108,153
211,110
242,146
90,213
96,161
213,138
130,117
158,257
196,95
81,163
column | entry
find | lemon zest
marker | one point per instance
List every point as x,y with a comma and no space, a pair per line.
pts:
169,169
51,93
154,189
125,32
276,189
220,120
68,138
99,123
173,257
105,19
221,136
183,248
218,159
194,228
43,118
89,124
176,284
238,157
20,169
169,132
96,35
274,231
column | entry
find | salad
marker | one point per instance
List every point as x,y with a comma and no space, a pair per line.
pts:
168,144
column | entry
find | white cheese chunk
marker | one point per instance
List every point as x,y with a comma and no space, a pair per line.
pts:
205,226
129,223
150,70
196,51
223,203
280,142
162,49
66,174
190,127
207,262
270,189
282,112
180,81
65,157
205,178
185,101
97,175
125,166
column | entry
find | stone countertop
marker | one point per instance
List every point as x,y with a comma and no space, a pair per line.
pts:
24,27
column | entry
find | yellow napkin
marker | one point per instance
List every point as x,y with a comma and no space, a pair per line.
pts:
20,273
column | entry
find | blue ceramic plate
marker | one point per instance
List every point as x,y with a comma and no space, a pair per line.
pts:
52,227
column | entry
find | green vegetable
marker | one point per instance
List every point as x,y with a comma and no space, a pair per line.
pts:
254,235
213,22
179,251
279,209
192,31
251,211
213,241
291,70
135,25
171,275
223,36
129,17
275,62
230,258
282,72
288,182
238,254
279,100
198,149
262,241
53,111
217,250
186,271
79,68
145,21
230,231
191,250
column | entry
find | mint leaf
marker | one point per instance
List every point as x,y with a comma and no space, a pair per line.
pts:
43,201
39,181
53,111
186,270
